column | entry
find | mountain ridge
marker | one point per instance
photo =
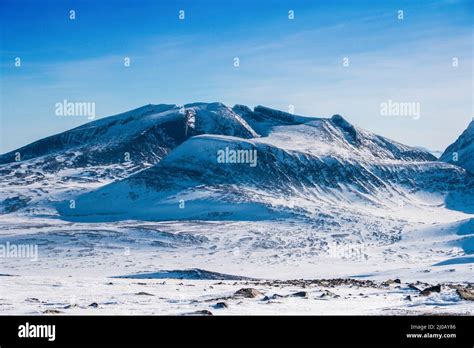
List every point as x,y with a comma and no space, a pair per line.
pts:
306,156
461,152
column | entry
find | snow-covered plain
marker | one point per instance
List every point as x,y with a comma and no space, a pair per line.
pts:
78,262
99,296
327,201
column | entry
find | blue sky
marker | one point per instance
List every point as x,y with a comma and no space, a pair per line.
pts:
282,62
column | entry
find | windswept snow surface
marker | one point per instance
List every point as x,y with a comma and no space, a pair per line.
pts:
183,231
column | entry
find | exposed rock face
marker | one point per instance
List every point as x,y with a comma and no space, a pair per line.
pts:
221,305
247,293
431,289
466,294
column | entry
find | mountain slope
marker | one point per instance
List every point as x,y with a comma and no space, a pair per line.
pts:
146,134
461,152
299,167
107,149
173,155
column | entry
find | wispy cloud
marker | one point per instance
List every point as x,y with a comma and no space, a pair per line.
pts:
281,63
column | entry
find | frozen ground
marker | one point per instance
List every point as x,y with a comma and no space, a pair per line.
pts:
78,264
96,295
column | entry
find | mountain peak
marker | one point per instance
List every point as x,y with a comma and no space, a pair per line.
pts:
145,134
339,120
281,115
348,128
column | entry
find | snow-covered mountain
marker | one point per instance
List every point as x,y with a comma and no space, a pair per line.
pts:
259,194
461,152
146,134
302,163
107,149
149,162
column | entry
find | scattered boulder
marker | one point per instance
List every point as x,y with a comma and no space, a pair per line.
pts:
391,282
143,293
94,305
32,299
429,290
328,293
273,297
51,311
247,293
303,294
220,305
414,287
203,312
408,298
466,294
